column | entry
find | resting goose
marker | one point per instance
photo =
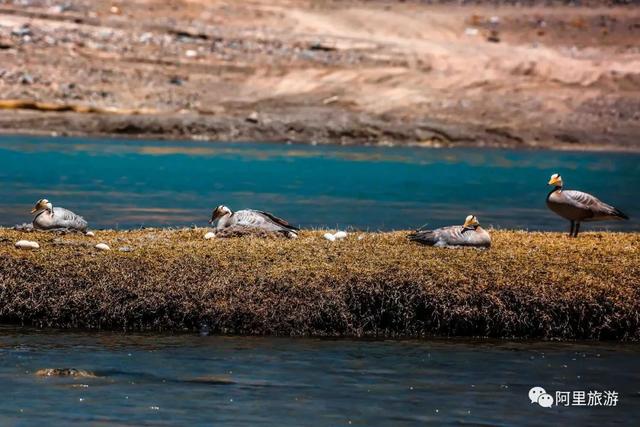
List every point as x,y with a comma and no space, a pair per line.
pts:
251,218
468,234
577,206
49,218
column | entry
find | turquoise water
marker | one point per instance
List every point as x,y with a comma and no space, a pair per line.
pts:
121,184
180,380
162,380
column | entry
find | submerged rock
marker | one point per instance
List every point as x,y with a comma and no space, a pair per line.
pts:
65,372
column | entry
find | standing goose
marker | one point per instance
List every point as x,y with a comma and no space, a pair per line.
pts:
49,218
577,206
468,234
252,218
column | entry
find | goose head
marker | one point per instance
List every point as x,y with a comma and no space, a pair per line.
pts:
219,212
41,205
471,222
555,180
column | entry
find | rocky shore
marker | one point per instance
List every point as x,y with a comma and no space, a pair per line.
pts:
530,74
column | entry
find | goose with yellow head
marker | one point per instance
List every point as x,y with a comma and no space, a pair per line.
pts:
578,206
469,234
48,217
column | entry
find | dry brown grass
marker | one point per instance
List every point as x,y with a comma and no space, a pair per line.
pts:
529,285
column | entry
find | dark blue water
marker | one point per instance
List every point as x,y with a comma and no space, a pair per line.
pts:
189,380
119,183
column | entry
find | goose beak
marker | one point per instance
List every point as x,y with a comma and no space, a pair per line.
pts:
553,181
34,210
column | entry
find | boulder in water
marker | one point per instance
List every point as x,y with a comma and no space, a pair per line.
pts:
65,372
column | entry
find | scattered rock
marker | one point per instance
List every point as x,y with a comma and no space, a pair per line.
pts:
191,53
125,249
26,79
102,247
330,100
471,31
253,117
175,80
209,235
494,37
145,38
60,8
322,47
27,244
24,30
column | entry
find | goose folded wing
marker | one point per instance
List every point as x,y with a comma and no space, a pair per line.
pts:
587,201
279,221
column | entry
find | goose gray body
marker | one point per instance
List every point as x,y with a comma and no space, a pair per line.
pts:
455,235
59,219
252,218
469,234
578,206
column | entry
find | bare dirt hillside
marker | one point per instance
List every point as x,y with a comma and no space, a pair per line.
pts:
325,71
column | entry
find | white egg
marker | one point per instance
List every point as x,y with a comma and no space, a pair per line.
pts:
340,235
27,244
90,234
330,237
102,247
209,235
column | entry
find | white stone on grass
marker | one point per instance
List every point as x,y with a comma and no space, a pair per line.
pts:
330,237
209,235
102,247
27,244
340,235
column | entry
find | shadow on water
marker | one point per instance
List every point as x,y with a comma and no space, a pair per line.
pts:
119,183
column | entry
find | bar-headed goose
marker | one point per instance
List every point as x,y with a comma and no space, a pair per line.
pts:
577,206
468,234
251,218
48,217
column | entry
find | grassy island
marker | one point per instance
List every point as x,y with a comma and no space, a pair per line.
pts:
528,285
